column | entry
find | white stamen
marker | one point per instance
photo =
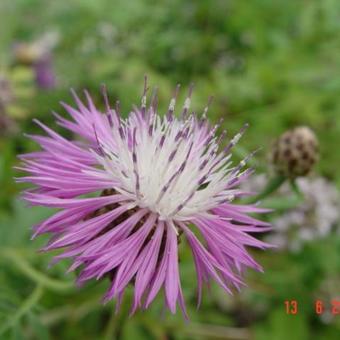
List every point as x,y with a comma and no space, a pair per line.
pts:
172,104
184,196
187,104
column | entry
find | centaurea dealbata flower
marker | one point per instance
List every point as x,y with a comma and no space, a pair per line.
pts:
155,179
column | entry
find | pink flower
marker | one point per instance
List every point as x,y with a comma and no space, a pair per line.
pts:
155,179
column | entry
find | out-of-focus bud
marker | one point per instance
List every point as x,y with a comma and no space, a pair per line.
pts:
44,73
25,53
295,152
29,53
38,55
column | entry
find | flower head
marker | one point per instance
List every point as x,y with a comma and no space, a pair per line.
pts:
154,179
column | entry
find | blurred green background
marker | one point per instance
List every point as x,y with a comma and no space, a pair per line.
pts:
274,64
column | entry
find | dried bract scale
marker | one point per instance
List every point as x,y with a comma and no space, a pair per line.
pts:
295,152
156,178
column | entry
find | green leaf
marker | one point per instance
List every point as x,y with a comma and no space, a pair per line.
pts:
282,326
40,331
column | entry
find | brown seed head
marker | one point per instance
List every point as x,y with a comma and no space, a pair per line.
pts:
295,152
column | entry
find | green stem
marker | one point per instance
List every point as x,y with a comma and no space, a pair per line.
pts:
34,274
272,186
53,316
296,189
206,331
110,327
117,321
282,203
27,305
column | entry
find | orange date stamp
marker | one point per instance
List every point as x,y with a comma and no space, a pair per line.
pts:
320,306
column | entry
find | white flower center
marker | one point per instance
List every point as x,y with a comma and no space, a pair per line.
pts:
171,167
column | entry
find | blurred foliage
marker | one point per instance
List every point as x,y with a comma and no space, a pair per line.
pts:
272,63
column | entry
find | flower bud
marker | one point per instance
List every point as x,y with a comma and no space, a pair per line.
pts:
295,152
25,53
44,74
